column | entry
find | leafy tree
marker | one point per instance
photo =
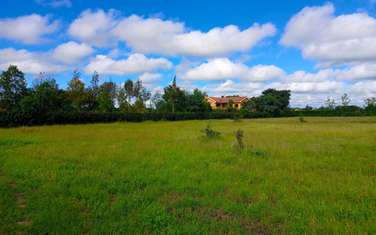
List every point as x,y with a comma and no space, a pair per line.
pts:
330,103
345,98
128,89
196,102
370,104
45,97
92,93
174,98
12,88
106,97
271,101
122,100
76,92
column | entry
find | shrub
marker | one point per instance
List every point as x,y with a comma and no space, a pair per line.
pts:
239,144
210,133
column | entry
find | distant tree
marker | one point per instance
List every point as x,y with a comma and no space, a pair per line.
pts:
122,100
270,101
345,99
196,102
330,103
174,97
76,92
106,97
128,89
370,104
45,97
93,92
12,88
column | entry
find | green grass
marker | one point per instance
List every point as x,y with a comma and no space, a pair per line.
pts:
317,177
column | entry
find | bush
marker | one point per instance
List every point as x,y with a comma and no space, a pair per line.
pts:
239,144
210,133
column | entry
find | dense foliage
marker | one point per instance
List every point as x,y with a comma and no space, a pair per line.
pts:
45,103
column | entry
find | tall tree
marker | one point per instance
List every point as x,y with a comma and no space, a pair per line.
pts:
345,99
92,92
128,89
76,92
271,101
106,97
196,102
45,97
330,103
174,97
12,88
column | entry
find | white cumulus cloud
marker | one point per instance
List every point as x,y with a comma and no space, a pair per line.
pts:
153,35
135,63
30,29
28,62
94,27
71,52
156,36
329,39
223,68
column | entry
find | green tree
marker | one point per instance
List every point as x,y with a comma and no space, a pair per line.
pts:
174,97
92,93
271,101
128,89
12,88
45,97
106,97
76,92
345,98
330,103
196,102
370,104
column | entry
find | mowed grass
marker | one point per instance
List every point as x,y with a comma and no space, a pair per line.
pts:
317,177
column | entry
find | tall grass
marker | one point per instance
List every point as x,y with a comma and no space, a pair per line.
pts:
161,177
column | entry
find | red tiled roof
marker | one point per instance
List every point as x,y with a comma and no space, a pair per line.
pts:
226,99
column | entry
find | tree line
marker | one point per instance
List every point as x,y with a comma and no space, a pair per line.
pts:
44,102
131,96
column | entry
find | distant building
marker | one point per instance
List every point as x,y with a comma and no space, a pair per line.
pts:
224,102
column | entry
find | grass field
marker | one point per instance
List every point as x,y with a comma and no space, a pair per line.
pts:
317,177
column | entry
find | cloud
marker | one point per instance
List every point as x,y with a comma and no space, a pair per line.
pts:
29,29
223,68
309,87
94,27
55,3
330,39
135,63
28,62
153,35
157,36
150,77
71,52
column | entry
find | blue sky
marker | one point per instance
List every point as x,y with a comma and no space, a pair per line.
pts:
317,49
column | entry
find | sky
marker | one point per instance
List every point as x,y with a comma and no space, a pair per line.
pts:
316,49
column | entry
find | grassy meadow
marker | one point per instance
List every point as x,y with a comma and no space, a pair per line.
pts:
317,177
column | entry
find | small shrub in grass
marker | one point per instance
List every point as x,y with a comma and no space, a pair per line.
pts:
258,153
302,120
210,133
239,143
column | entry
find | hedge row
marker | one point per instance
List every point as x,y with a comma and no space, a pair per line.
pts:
11,119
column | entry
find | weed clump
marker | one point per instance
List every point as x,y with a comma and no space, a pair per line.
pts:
239,144
302,120
210,133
